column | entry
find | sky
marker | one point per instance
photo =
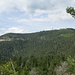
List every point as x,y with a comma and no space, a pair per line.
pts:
28,16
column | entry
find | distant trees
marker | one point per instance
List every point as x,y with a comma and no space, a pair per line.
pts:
36,56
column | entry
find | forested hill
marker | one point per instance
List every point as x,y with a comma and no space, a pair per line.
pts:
55,42
42,53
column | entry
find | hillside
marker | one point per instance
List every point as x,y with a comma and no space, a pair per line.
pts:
42,53
38,44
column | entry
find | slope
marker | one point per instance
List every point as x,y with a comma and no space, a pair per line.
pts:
55,42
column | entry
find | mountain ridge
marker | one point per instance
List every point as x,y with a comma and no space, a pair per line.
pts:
54,42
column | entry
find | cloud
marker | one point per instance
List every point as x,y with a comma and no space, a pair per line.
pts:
13,30
45,17
48,4
12,5
18,12
32,20
16,30
41,5
33,5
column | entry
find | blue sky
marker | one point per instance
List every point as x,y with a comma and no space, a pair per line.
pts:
27,16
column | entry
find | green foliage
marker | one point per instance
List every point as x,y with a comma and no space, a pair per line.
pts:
56,42
71,63
71,11
39,66
45,66
37,53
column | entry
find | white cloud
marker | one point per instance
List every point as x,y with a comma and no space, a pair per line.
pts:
16,30
59,16
33,5
12,5
2,30
52,17
6,5
55,9
32,20
13,30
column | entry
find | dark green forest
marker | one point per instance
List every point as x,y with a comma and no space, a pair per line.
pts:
42,53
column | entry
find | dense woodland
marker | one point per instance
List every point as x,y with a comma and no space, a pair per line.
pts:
42,53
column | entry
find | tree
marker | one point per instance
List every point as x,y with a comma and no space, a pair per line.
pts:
71,64
71,11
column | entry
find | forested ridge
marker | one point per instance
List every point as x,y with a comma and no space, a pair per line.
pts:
42,53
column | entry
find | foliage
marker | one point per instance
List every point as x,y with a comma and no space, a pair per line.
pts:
71,63
37,53
56,42
33,66
71,11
